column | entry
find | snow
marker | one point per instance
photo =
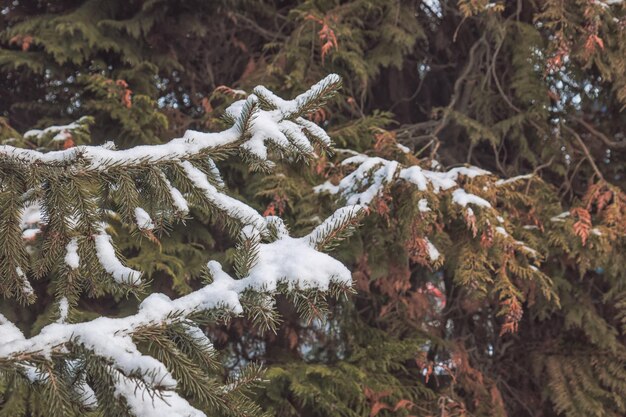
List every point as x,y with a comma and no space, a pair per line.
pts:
143,219
298,138
100,158
373,174
109,261
514,179
64,307
403,148
273,99
264,128
266,125
9,331
280,229
305,267
31,219
292,261
462,198
233,207
33,374
502,231
145,404
521,245
340,216
62,132
422,205
198,335
348,185
433,253
180,204
287,260
315,130
215,173
607,3
560,217
377,173
87,395
31,215
26,287
30,234
438,180
71,255
288,108
416,176
62,136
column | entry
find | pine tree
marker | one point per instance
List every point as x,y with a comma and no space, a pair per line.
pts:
148,362
494,293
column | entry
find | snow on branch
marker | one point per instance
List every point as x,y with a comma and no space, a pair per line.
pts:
63,132
181,171
373,175
110,262
339,224
74,192
253,126
293,262
304,268
235,208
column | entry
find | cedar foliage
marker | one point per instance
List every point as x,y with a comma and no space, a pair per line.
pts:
521,88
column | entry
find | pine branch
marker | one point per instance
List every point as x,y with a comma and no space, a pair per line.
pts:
118,365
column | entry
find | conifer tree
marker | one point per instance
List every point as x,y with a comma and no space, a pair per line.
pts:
155,361
491,291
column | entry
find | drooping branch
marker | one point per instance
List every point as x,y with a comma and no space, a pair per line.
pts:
75,189
252,127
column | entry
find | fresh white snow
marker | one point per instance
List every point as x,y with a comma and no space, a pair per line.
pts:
26,287
143,219
110,262
64,308
71,255
266,125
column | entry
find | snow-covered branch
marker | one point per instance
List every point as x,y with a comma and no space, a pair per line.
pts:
181,170
253,128
294,262
373,175
66,196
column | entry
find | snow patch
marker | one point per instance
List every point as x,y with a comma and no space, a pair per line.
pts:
422,205
64,308
462,198
71,254
143,219
109,261
26,287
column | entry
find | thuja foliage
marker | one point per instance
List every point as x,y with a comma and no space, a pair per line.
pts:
476,295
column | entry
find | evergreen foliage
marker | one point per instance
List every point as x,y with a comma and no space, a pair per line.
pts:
479,292
143,364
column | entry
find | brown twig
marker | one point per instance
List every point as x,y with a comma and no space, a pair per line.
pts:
585,150
536,171
604,138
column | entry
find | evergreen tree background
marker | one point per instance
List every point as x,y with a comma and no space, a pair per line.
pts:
518,88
